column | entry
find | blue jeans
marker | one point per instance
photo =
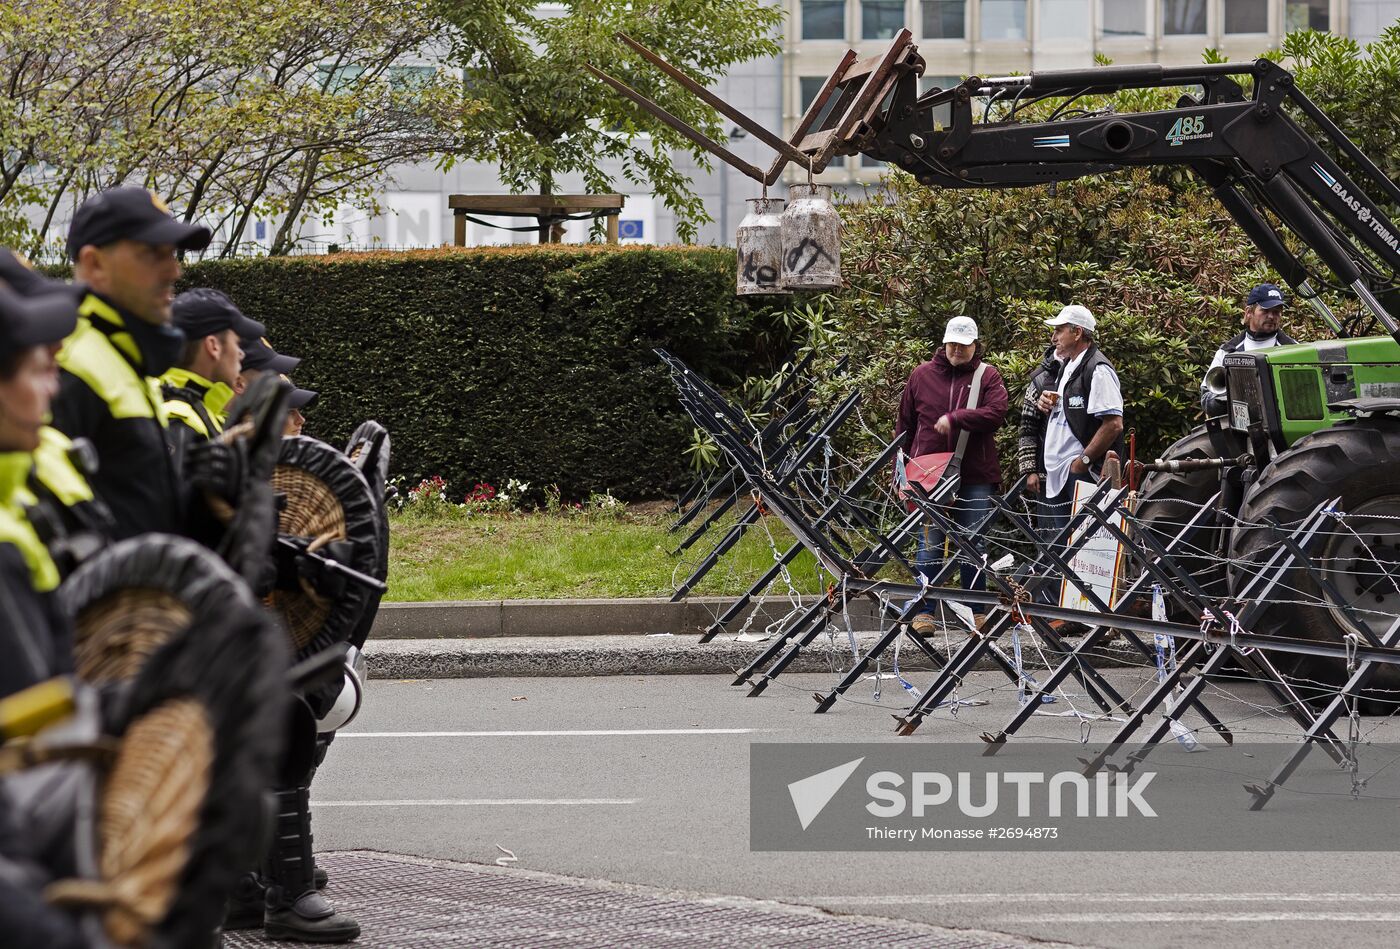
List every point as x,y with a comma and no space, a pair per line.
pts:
970,511
1054,517
1055,514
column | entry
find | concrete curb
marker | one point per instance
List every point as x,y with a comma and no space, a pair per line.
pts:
637,655
480,619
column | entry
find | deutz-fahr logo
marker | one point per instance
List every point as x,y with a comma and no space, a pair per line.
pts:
1188,128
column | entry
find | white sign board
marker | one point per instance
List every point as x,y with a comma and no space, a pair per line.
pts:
1098,562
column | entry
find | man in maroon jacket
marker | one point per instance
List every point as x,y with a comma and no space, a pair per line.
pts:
933,410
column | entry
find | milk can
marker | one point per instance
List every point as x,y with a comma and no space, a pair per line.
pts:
811,240
760,243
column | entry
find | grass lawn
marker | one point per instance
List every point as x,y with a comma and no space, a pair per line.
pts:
527,556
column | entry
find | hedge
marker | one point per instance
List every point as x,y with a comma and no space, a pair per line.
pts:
490,364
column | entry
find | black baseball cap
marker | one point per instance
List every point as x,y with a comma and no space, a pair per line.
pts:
19,273
202,312
26,322
300,398
259,354
1267,295
131,214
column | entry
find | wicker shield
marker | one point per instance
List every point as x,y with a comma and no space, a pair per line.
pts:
330,515
179,810
139,594
368,448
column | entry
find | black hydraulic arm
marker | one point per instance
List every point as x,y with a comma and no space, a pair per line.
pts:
1250,151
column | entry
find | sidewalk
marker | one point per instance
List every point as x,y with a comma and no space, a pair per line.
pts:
408,902
613,637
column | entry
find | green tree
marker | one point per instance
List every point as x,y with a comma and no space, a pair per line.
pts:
230,111
1150,251
544,117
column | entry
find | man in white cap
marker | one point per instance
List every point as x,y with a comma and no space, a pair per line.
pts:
934,413
1083,412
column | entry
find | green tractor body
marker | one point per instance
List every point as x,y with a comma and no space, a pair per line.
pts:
1285,392
1318,422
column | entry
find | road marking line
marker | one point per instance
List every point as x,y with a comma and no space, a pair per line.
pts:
477,802
954,898
575,733
1204,918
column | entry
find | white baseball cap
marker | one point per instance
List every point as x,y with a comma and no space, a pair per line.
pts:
961,329
1074,315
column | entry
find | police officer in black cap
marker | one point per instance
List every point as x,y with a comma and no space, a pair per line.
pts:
35,643
199,387
300,399
70,519
259,357
124,245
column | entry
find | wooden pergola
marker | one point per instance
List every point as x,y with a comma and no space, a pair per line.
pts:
548,209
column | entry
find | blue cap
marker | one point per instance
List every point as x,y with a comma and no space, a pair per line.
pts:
1267,295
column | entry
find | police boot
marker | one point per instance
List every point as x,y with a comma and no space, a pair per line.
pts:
245,904
295,908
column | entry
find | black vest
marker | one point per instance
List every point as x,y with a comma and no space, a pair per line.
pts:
1074,399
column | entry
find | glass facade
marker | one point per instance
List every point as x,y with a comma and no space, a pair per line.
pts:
944,19
1123,18
1246,16
881,19
1064,19
1184,17
1003,19
823,19
1305,15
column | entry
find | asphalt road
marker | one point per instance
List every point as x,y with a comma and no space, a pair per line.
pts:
646,780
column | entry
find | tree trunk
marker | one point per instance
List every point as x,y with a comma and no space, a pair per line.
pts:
282,243
546,187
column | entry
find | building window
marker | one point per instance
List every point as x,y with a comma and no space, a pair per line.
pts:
808,87
1184,17
1064,19
944,20
1246,16
823,19
1305,15
943,114
1003,19
1124,18
881,19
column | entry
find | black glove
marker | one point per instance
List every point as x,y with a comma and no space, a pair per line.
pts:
218,468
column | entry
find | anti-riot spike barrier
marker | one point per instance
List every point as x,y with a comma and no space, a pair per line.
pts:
781,411
1224,636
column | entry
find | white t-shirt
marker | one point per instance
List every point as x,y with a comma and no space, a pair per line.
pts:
1061,447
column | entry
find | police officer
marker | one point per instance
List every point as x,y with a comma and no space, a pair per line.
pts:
1263,314
259,357
300,399
70,519
35,643
199,387
124,243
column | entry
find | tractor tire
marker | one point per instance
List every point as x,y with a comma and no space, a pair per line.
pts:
1360,556
1168,500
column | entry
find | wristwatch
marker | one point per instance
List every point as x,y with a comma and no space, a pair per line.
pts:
1086,461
